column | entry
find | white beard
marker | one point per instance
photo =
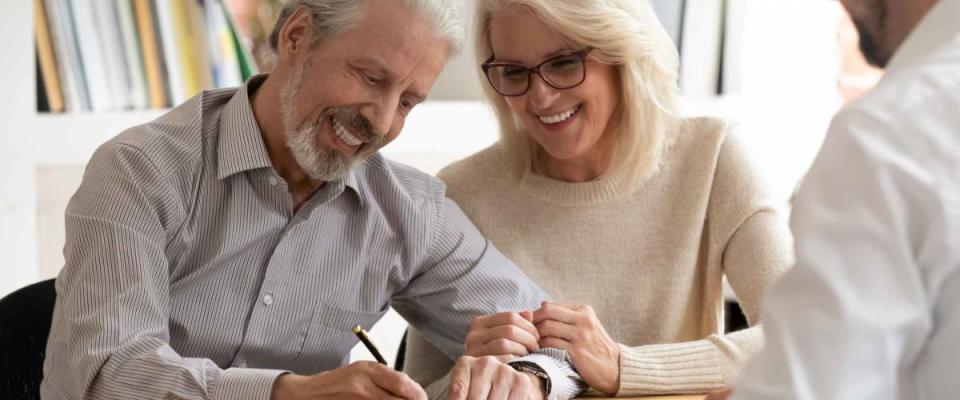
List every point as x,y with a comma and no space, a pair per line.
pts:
320,163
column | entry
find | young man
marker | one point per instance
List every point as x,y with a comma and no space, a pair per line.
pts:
872,308
225,250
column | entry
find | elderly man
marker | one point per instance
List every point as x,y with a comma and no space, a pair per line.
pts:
225,250
872,308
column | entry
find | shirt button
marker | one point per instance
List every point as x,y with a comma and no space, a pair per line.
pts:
268,299
273,181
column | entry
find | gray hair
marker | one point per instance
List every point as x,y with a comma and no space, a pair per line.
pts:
334,17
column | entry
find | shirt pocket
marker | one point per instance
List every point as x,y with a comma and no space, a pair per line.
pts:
330,338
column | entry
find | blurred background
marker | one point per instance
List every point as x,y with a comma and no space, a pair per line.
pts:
78,72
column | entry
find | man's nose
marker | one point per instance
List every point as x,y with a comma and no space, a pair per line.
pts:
381,115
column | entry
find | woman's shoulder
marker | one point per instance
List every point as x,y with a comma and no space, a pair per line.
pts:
703,130
481,169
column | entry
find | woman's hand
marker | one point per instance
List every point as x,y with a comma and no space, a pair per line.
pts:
506,335
723,394
576,329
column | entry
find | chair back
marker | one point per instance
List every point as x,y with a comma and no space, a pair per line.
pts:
25,317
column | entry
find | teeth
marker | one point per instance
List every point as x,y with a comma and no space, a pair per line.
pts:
345,135
553,119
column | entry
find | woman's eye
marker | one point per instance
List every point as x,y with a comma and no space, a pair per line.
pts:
514,72
564,63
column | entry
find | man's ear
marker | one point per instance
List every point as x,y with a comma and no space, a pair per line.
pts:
295,36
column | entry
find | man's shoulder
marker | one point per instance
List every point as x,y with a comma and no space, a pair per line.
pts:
913,110
385,178
174,140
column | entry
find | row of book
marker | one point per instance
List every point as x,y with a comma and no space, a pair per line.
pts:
114,55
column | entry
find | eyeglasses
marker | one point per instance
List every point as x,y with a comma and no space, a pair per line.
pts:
561,72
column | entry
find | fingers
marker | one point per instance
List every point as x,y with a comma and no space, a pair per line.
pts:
503,339
506,318
722,394
560,312
486,377
482,374
459,379
392,382
554,329
557,343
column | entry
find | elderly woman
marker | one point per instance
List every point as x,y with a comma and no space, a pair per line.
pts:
627,214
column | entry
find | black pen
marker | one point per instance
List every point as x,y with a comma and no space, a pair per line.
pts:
362,334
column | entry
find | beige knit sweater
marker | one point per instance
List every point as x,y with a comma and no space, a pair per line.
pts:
649,262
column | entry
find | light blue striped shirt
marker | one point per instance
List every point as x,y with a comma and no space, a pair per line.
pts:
188,273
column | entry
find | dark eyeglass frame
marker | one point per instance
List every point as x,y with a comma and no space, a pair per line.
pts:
581,54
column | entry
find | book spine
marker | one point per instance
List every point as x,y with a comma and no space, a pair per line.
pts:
47,59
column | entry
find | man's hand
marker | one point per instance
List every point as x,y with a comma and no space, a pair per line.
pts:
576,329
505,335
489,378
360,380
722,394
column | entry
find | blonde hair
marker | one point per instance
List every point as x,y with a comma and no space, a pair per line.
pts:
624,33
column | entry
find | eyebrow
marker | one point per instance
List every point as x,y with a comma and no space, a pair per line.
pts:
377,66
549,55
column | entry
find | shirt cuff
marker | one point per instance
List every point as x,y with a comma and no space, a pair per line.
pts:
246,383
565,383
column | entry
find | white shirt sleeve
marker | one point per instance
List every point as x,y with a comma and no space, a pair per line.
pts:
848,319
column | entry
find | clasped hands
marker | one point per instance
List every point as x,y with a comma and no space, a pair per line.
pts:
574,328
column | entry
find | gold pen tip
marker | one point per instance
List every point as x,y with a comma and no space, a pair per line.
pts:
357,329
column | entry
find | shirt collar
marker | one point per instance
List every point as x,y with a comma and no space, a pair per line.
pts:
936,29
241,146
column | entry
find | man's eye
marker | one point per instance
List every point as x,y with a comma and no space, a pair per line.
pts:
372,80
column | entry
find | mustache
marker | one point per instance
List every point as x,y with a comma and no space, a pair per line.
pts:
356,123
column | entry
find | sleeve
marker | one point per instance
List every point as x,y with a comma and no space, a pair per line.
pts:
465,276
753,244
109,336
846,320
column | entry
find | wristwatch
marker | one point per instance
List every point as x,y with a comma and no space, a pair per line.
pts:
535,370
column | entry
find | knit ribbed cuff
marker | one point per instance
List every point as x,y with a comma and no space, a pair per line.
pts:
246,383
676,368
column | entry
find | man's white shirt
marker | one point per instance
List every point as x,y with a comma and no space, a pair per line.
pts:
872,308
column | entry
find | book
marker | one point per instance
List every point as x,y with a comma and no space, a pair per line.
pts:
114,60
43,104
152,56
133,55
72,77
173,63
248,67
224,61
46,61
92,56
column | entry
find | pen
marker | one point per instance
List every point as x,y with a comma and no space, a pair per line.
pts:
362,334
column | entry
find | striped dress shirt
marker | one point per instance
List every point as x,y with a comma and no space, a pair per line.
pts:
189,275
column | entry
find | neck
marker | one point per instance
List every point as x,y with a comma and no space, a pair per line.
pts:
582,169
267,109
